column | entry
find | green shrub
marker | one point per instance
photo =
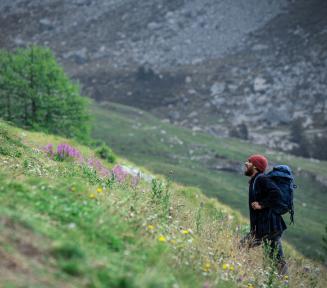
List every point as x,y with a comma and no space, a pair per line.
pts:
71,268
67,251
161,195
104,152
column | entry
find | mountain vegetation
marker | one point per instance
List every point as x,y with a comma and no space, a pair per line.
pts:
36,93
68,219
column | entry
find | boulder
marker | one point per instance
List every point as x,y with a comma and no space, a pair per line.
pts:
260,84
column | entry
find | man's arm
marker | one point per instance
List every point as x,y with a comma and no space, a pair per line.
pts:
273,193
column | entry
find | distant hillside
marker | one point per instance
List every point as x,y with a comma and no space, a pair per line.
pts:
215,166
209,65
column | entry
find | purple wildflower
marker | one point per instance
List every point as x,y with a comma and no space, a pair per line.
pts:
119,173
105,172
66,151
48,149
96,164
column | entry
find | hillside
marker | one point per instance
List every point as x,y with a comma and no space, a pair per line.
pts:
203,64
215,165
64,225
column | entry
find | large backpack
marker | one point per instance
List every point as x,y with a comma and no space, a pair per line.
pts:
283,177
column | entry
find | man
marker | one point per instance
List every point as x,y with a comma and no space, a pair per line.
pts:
265,225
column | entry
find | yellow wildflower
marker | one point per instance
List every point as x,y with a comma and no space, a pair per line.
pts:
285,277
206,267
92,196
231,268
185,232
225,266
250,285
150,227
99,190
162,238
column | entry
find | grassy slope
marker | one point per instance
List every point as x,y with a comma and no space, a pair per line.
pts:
162,147
53,234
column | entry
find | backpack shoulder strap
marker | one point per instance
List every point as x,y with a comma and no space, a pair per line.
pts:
255,180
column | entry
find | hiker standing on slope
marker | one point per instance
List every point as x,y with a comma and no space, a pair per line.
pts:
265,226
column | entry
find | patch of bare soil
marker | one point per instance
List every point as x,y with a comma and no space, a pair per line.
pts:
24,260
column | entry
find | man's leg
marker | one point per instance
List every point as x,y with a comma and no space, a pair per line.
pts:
276,247
276,253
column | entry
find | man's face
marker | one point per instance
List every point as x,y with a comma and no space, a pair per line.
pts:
248,168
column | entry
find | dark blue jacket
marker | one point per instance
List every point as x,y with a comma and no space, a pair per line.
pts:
264,222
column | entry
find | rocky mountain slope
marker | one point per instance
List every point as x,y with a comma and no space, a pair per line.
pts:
209,65
124,32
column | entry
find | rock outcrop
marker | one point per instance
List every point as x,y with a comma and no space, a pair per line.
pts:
261,63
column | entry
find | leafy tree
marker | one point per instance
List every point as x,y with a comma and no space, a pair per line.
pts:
36,93
106,153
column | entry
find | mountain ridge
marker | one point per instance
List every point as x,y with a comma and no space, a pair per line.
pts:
265,68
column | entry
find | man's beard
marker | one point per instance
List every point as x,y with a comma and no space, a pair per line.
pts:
249,171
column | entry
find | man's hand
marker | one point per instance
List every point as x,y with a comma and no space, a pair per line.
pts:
256,206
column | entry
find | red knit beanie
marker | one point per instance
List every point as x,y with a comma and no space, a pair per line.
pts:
259,161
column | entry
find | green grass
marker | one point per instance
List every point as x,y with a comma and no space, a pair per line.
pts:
53,234
63,225
84,241
191,156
